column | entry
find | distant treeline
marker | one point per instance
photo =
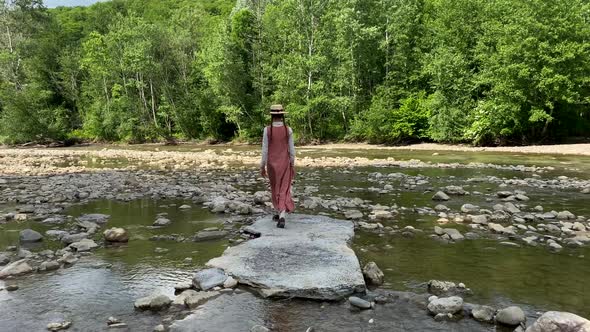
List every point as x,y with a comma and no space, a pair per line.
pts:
478,71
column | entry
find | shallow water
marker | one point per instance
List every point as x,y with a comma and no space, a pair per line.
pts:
108,282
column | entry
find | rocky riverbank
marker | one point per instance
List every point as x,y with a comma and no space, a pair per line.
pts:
513,208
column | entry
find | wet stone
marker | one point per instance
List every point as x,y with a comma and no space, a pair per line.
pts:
310,258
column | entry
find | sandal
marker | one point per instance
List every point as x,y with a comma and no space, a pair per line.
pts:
281,223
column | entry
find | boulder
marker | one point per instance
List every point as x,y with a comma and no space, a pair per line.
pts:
71,238
454,190
4,258
454,234
565,215
209,278
96,218
480,219
469,208
552,321
84,245
162,222
116,235
511,316
446,305
154,302
49,266
373,274
29,235
483,313
15,268
353,214
196,299
440,196
359,303
310,258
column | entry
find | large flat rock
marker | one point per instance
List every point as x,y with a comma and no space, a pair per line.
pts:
310,258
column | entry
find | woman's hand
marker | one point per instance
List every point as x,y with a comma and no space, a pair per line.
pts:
263,171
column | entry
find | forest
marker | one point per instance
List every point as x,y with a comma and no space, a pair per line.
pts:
484,72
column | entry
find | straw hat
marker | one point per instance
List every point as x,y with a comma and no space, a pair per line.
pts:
277,109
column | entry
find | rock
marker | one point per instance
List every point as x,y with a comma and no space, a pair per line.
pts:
15,268
440,196
182,286
310,258
153,302
159,328
184,207
96,218
555,246
209,278
12,288
230,282
369,226
553,321
353,214
439,287
511,208
585,191
565,215
441,207
438,230
578,226
29,235
481,219
209,235
261,197
49,266
162,222
469,208
68,258
382,215
180,300
446,305
503,194
373,274
84,245
454,190
521,197
116,235
259,328
196,299
359,303
4,259
454,234
511,316
59,326
483,313
548,215
71,238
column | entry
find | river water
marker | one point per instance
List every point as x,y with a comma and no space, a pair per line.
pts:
107,282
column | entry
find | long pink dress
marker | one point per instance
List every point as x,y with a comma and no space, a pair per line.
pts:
280,171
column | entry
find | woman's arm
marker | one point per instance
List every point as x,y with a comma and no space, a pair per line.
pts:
291,148
264,152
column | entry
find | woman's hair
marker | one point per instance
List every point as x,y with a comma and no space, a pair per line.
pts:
277,117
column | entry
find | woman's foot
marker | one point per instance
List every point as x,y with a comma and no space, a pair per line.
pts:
275,218
281,223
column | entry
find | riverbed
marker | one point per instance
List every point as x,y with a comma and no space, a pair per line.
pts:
135,185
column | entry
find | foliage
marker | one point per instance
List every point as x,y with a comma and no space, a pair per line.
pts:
479,71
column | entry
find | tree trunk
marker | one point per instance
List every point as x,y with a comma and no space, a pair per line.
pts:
153,103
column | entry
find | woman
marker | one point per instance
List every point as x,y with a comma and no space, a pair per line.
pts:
278,159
